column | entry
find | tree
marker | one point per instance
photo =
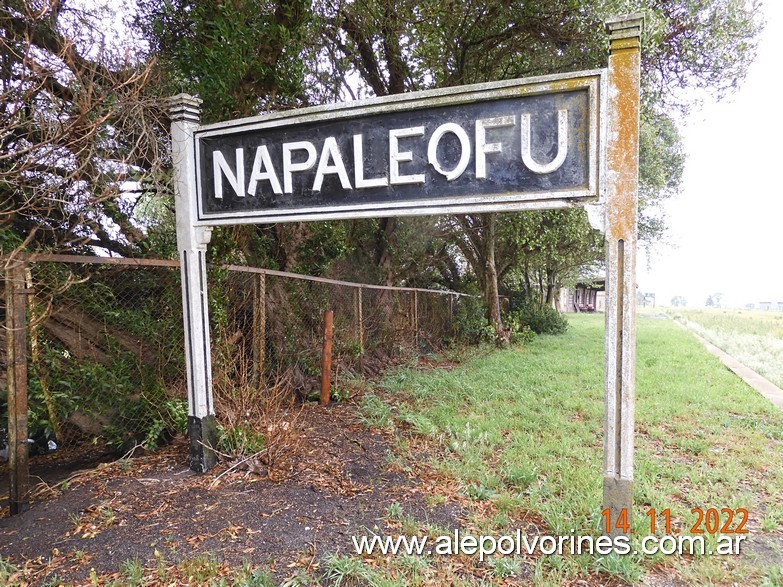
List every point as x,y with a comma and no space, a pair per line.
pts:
247,56
679,302
74,125
368,47
242,58
554,248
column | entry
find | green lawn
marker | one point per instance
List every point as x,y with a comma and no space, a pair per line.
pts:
523,428
754,338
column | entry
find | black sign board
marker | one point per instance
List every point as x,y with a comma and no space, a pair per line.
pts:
503,146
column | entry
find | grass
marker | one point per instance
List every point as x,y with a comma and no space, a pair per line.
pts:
522,429
200,570
516,436
753,338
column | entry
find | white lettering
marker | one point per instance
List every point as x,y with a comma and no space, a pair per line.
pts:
550,547
443,545
289,167
331,151
358,167
482,147
562,144
396,156
464,141
220,167
263,169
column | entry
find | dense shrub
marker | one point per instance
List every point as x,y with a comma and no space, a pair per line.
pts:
470,321
541,320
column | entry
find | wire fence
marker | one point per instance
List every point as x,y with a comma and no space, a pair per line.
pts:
105,351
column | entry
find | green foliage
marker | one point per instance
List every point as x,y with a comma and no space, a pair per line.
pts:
546,251
521,432
470,323
239,57
345,571
8,572
520,333
541,320
240,440
504,567
374,412
661,165
126,355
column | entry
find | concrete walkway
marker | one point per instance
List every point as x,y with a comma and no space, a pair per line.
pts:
761,384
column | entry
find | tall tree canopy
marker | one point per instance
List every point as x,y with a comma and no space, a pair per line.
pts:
75,124
376,48
78,119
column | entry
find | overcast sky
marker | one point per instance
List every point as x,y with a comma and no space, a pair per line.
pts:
726,228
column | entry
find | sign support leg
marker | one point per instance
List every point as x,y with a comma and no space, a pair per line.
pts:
192,245
621,216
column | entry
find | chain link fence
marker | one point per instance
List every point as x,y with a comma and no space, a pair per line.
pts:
105,354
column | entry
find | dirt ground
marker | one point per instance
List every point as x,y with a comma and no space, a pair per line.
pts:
153,507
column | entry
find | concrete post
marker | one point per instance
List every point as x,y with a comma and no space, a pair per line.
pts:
192,245
622,164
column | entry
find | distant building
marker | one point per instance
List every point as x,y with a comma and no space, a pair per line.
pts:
780,306
750,306
765,306
587,296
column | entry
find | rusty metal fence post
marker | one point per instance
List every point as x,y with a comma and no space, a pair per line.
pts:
326,358
16,370
415,319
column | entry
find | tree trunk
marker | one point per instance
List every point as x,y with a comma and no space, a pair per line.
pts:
491,291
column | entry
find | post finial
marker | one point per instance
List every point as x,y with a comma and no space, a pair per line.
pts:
625,28
184,107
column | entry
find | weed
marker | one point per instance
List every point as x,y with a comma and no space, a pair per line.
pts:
343,571
133,573
434,499
773,578
394,511
250,577
374,413
300,578
623,567
201,569
479,492
7,572
503,567
520,428
772,519
519,476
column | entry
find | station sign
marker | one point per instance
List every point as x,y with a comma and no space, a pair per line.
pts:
525,144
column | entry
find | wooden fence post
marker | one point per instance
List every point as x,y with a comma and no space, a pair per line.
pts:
259,328
326,357
16,372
